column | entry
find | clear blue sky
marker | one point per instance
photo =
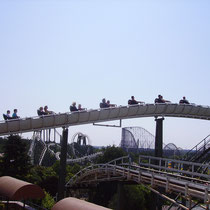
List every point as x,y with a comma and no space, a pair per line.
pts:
58,51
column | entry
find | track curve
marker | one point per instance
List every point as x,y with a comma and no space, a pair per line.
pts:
102,115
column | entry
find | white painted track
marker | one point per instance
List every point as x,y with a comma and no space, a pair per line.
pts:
102,115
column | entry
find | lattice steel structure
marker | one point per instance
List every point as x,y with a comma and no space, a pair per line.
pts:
83,142
81,139
137,137
171,149
170,146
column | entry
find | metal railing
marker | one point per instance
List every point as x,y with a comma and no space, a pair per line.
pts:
174,167
123,169
84,158
130,172
198,149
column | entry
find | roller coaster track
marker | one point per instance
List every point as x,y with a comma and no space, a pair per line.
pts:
84,158
102,115
55,154
174,181
31,149
43,152
69,161
46,145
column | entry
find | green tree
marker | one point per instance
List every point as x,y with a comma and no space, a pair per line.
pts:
137,195
111,153
15,162
45,177
102,193
133,197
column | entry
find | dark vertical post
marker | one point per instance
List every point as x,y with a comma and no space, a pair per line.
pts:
159,153
159,137
62,168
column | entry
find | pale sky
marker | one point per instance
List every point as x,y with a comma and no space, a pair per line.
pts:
58,51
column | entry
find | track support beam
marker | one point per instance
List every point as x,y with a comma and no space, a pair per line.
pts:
62,168
159,137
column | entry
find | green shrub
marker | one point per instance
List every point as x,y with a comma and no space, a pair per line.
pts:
48,201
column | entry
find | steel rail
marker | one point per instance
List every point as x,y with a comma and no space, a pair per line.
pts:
181,167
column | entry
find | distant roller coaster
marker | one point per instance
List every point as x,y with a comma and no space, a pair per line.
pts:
80,143
81,140
137,137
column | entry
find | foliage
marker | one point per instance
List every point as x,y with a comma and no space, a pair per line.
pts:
118,196
137,196
15,161
56,167
110,153
49,159
103,193
45,177
130,197
134,157
2,206
72,170
48,201
2,143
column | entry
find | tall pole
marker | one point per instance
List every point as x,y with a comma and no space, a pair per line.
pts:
158,153
62,168
159,137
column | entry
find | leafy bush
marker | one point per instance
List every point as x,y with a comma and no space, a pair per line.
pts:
48,201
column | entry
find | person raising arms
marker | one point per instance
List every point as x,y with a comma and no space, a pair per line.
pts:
161,100
132,101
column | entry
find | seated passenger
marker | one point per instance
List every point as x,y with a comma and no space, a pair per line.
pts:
7,116
80,107
14,115
184,101
73,107
40,111
46,111
110,105
161,100
132,101
103,104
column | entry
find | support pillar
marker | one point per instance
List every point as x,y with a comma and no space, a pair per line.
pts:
159,137
159,153
62,168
